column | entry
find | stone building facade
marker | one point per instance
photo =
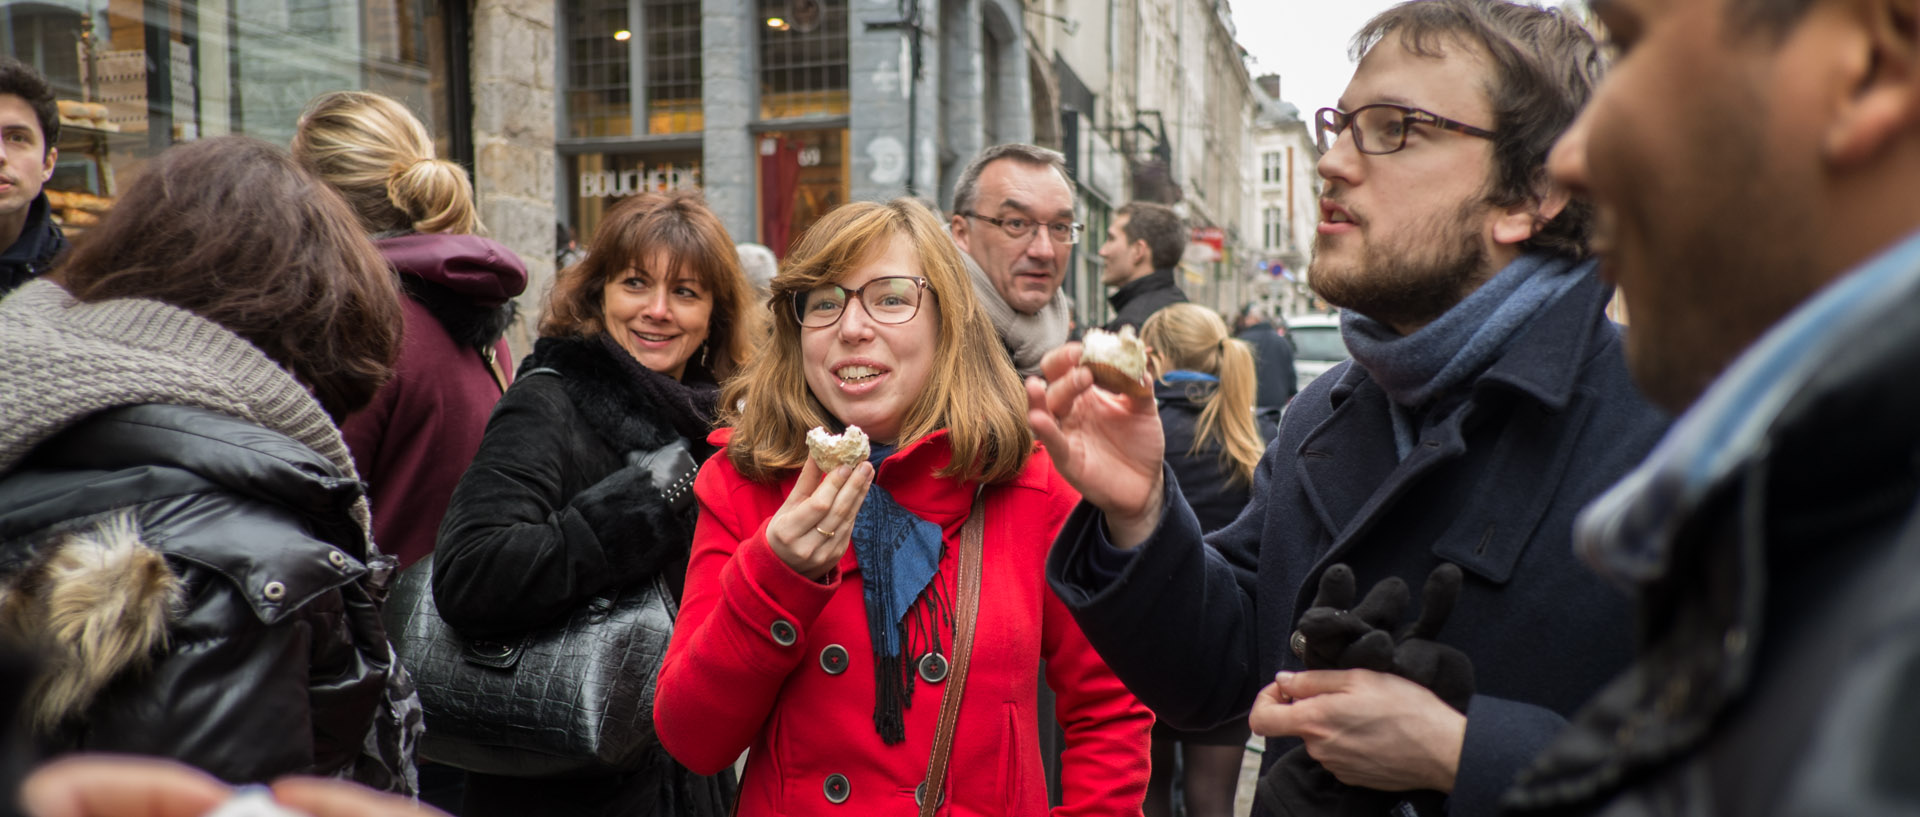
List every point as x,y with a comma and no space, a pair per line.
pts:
778,110
1156,105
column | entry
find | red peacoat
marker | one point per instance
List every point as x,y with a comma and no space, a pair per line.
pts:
766,658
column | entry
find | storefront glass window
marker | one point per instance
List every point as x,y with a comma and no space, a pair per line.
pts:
599,76
803,58
135,76
673,66
803,174
605,43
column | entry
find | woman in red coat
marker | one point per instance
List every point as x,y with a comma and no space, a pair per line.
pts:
817,624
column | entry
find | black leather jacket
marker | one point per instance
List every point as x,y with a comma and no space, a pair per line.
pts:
1137,300
1773,540
239,588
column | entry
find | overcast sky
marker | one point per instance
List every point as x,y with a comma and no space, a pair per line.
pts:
1305,42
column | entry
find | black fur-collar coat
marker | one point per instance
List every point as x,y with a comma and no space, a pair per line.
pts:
549,515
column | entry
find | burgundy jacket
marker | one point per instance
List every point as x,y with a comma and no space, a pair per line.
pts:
412,443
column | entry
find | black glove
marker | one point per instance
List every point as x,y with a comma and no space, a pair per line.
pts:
1335,634
641,515
672,469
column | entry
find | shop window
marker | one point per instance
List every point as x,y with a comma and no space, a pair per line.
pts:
599,68
617,64
803,174
673,66
48,39
803,58
136,76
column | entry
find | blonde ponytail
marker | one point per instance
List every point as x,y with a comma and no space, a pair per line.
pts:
378,155
1194,338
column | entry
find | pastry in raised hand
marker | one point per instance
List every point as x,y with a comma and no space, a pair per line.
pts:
834,450
1118,361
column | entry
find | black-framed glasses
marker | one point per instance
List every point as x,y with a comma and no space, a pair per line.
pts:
1062,232
1381,128
888,299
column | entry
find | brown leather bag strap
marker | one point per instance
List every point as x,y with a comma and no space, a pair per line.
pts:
488,354
933,790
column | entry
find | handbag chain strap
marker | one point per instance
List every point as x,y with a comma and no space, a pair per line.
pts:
971,537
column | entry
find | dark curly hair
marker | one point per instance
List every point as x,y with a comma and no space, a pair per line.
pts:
19,79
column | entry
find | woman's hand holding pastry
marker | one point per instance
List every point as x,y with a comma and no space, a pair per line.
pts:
812,530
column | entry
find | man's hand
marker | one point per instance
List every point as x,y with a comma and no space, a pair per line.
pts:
1368,728
1108,446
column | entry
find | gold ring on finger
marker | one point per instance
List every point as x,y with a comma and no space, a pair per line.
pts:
826,533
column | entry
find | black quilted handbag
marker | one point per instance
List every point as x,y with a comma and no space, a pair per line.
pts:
574,698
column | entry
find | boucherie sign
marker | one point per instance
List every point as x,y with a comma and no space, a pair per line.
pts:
613,184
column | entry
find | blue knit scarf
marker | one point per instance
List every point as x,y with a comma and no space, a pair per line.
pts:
899,557
1442,357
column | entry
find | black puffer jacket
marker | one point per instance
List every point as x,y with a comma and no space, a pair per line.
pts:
549,515
1216,500
232,612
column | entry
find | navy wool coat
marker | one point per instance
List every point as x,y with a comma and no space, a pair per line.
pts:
1195,630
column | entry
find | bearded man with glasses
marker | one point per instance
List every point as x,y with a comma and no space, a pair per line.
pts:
1487,401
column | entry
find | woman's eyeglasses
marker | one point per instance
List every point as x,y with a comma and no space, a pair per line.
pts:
891,299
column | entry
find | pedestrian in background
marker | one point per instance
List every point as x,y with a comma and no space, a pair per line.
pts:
184,535
566,247
1272,360
818,625
1204,385
1143,246
760,266
30,118
555,511
415,439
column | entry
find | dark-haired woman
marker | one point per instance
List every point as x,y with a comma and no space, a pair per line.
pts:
634,342
182,533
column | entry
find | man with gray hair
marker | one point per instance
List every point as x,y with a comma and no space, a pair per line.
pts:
1013,221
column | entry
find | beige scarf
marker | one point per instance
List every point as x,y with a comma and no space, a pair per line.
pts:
1028,337
62,360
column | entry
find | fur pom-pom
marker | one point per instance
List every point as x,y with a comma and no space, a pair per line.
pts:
98,603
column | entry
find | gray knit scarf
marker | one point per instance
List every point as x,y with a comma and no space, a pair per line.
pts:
1028,337
62,360
1418,369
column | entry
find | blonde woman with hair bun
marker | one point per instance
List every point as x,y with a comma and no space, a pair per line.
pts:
378,154
1204,385
412,443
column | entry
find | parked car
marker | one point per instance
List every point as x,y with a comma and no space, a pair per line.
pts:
1317,345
